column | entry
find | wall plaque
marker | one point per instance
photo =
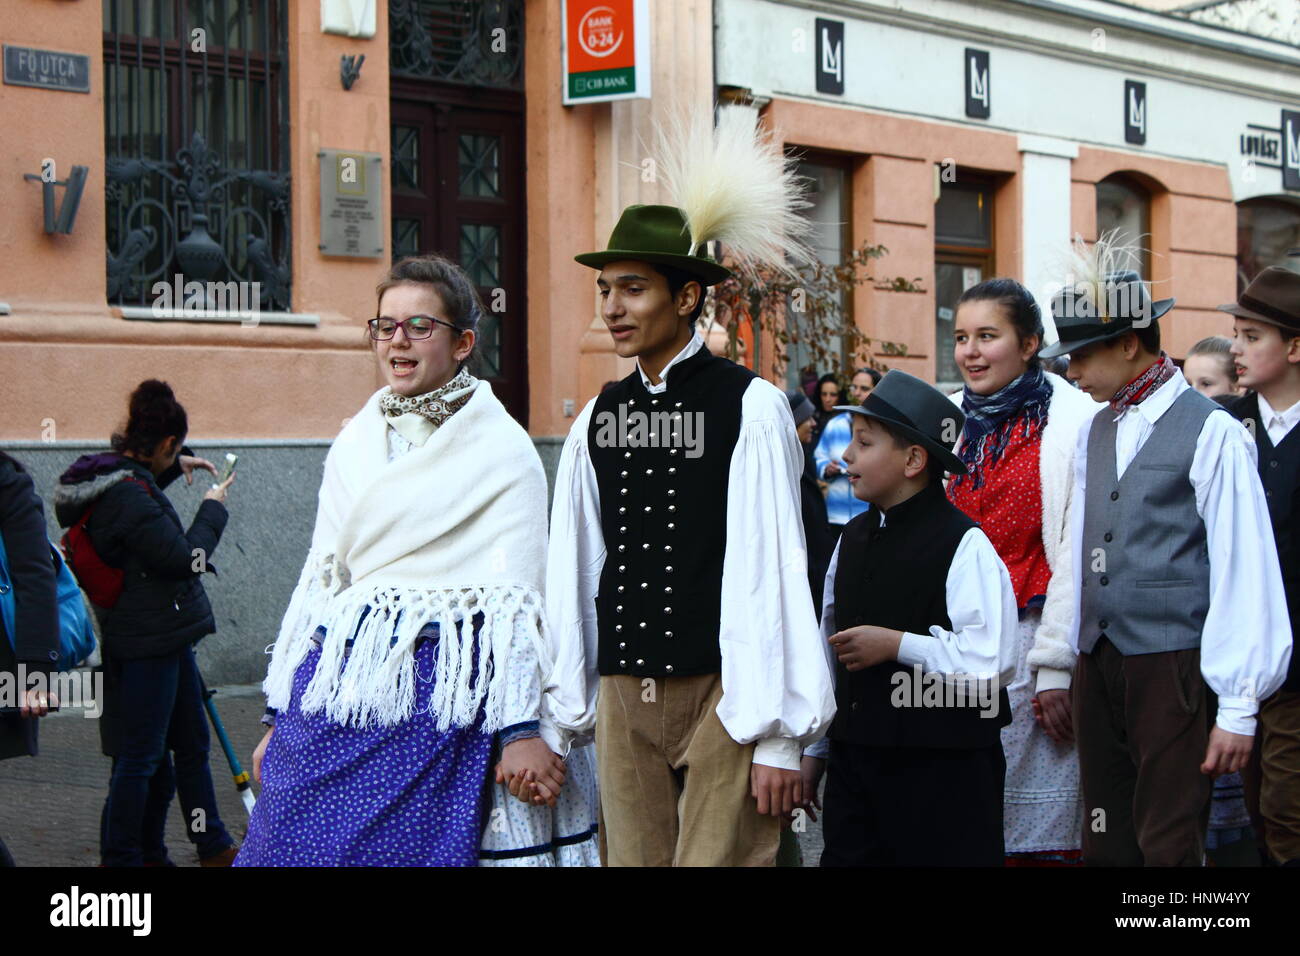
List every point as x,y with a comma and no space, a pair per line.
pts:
351,214
47,69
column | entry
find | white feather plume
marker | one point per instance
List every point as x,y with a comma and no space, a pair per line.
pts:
736,186
1087,267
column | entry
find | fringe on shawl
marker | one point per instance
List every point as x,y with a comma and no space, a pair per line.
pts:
377,687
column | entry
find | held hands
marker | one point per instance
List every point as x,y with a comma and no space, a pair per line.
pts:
1227,752
1053,714
865,646
811,770
533,772
777,791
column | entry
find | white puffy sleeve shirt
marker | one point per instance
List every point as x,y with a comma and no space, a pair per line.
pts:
1246,638
776,682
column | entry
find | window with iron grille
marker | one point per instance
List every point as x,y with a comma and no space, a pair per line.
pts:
474,42
196,128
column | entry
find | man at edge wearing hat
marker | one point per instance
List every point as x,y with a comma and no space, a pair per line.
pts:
1177,579
1266,348
920,613
677,572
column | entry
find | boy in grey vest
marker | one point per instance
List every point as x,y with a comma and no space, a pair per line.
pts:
1177,578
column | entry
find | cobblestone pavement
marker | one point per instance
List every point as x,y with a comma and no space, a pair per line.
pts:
50,805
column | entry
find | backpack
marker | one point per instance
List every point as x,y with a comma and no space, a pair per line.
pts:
76,633
101,581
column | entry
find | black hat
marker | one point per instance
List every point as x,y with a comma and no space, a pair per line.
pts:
800,406
1124,305
920,412
1273,296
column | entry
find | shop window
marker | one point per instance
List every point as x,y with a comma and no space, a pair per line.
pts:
1267,230
963,257
1124,206
196,144
827,183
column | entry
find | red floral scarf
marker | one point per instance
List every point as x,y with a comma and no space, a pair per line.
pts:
1161,371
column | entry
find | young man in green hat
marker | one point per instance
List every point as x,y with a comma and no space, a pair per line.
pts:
1266,349
677,592
1177,579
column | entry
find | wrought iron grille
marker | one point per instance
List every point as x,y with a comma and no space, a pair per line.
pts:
474,42
197,143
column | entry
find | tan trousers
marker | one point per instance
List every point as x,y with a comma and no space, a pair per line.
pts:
674,786
1279,791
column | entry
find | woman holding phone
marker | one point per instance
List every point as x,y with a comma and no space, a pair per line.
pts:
154,724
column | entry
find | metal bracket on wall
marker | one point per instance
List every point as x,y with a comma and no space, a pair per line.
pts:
350,69
63,220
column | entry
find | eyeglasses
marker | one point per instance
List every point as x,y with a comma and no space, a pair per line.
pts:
416,327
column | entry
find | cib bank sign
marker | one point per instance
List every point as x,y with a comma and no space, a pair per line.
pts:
606,50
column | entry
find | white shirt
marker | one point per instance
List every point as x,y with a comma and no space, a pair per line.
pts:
1246,638
981,608
1277,424
776,681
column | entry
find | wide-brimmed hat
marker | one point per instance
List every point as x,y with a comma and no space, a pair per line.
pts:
658,235
919,411
1273,296
1124,305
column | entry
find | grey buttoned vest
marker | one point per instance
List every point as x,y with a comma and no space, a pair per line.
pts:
1146,570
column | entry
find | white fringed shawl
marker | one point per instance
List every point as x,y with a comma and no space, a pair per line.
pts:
449,529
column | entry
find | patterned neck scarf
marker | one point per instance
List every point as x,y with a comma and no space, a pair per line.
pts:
437,406
1136,391
991,420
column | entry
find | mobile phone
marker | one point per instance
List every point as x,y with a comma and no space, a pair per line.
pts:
231,459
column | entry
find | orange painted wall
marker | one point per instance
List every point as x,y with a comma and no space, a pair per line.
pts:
893,205
1193,236
66,356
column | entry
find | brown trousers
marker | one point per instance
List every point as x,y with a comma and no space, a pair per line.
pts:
1278,740
674,786
1142,724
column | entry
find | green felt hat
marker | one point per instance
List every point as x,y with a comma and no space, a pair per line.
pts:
658,235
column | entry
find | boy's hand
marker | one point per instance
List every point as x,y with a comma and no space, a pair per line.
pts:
1052,712
865,646
777,791
533,771
811,770
1227,752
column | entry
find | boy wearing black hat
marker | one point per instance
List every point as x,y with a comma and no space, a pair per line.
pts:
1266,349
1177,580
920,613
684,630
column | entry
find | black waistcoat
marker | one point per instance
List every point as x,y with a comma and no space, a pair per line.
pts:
1279,471
896,577
661,464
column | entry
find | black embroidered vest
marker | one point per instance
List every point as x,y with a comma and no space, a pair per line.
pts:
661,464
896,577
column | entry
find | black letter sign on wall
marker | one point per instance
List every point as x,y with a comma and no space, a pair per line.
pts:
977,83
1135,112
830,56
1290,150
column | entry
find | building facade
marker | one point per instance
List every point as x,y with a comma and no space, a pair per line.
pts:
970,139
